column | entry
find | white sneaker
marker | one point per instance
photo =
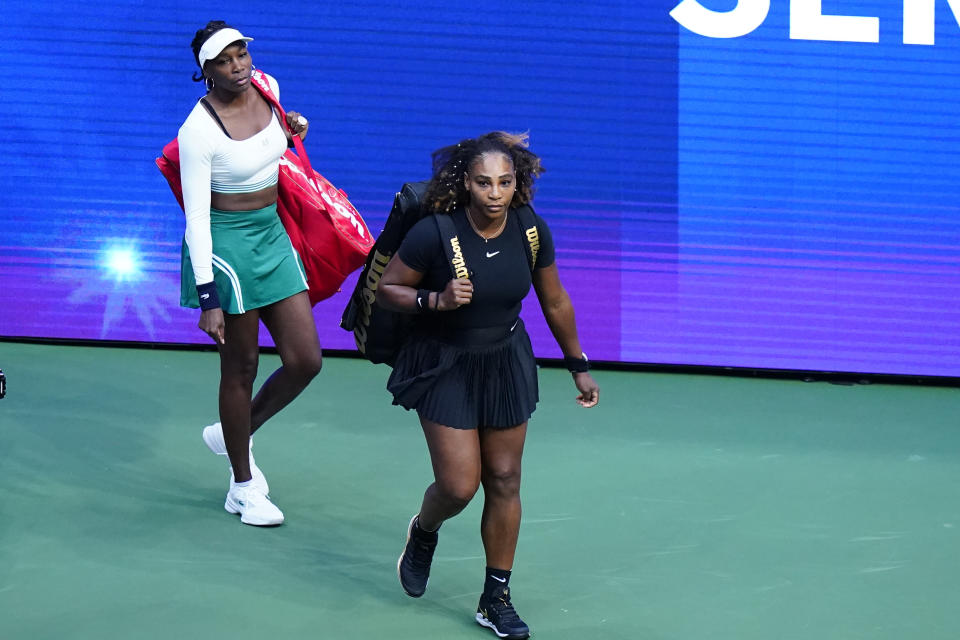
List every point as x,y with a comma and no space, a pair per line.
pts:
213,438
253,506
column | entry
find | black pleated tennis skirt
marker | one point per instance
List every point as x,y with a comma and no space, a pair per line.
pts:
468,380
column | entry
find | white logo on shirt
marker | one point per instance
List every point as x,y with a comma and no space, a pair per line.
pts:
490,255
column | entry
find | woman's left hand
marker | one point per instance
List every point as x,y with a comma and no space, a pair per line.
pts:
298,124
589,389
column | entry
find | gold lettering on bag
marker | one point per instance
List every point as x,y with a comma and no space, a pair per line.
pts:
533,237
459,264
369,296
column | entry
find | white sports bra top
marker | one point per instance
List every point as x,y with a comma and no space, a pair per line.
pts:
212,161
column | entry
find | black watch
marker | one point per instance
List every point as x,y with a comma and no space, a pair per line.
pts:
577,365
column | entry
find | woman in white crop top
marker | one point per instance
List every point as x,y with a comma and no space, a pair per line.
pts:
239,266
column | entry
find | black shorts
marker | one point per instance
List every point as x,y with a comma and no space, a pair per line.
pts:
462,384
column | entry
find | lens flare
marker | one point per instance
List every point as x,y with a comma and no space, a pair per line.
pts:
122,263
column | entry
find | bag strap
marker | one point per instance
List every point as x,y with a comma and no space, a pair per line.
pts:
259,80
527,220
213,113
448,234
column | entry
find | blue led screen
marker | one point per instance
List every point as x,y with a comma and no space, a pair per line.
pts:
786,198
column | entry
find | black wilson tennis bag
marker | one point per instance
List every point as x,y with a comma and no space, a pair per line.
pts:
379,332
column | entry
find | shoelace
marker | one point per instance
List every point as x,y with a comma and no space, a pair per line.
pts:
504,609
422,553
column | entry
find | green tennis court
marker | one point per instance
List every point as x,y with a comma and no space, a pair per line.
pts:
683,507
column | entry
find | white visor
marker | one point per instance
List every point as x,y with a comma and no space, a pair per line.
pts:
219,41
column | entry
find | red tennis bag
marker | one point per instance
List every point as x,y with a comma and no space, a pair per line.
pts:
325,229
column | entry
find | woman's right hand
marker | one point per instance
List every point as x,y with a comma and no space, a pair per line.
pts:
588,388
457,293
211,323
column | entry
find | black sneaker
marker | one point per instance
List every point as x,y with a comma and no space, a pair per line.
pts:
496,612
413,567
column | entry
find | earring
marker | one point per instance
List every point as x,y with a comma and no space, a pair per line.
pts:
209,82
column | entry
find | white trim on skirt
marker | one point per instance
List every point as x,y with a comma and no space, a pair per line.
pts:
224,266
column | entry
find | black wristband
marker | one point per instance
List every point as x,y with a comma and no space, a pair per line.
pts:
423,301
577,365
207,293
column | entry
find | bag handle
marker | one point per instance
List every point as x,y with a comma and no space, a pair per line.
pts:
260,82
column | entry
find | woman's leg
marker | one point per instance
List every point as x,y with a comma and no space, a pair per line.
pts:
501,451
291,324
238,369
455,455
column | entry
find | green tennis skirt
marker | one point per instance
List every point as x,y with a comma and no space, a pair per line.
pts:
254,263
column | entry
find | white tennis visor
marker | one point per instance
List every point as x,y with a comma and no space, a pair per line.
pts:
219,41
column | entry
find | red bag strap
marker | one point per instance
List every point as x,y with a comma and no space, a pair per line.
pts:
259,80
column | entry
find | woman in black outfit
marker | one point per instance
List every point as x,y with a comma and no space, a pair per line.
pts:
469,370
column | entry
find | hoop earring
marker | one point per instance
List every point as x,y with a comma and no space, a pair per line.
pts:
209,83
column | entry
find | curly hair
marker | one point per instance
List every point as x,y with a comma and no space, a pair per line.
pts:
201,36
447,189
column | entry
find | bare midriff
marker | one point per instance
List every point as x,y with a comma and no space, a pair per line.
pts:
244,201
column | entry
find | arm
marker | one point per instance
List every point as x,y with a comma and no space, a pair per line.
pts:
558,311
196,155
398,291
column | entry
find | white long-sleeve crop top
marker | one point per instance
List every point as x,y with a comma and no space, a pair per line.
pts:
211,161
